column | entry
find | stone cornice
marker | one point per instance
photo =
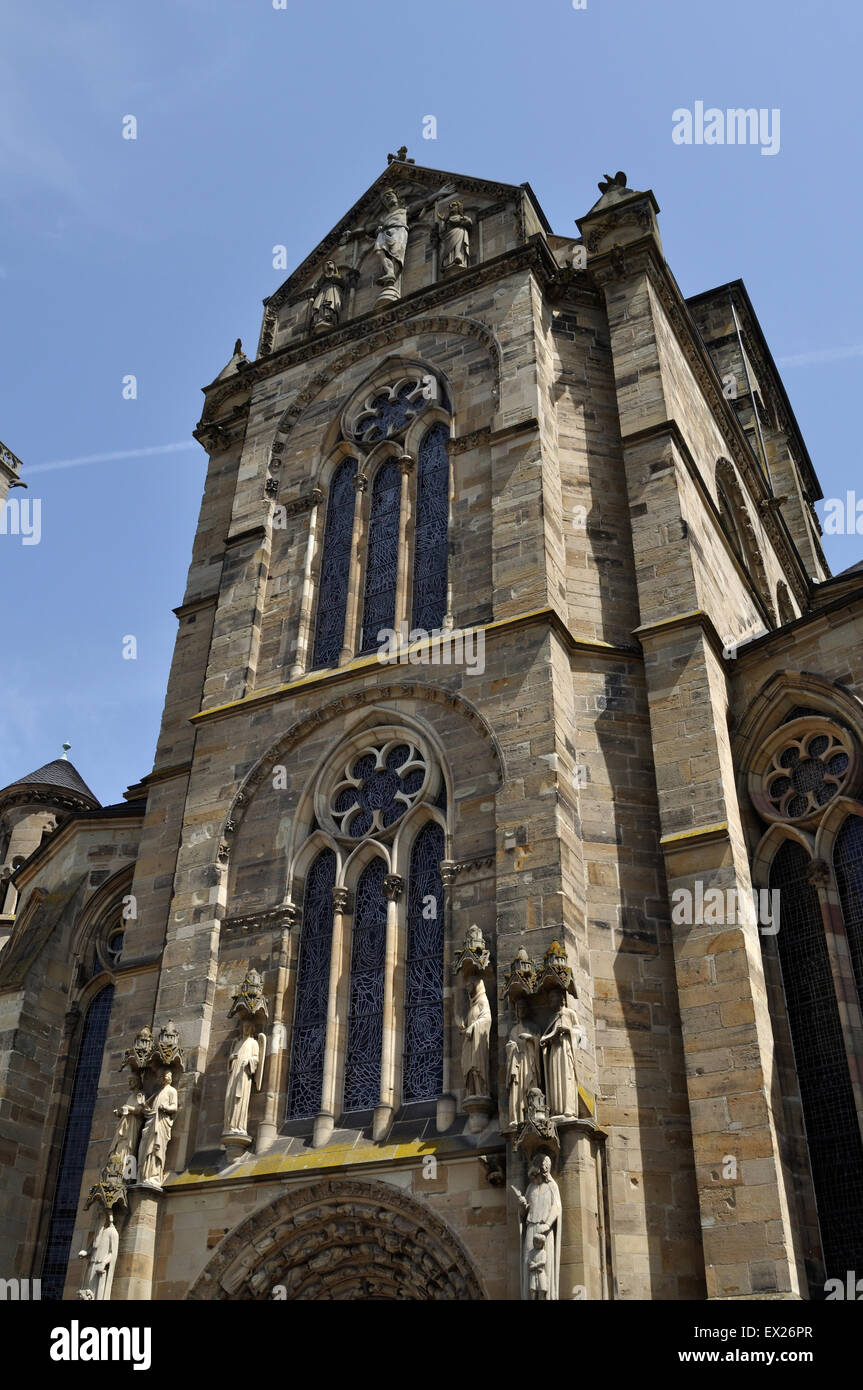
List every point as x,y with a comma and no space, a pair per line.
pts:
195,605
363,665
696,617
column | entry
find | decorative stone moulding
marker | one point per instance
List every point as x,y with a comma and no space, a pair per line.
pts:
147,1052
249,998
520,979
524,978
801,767
538,1132
474,957
110,1190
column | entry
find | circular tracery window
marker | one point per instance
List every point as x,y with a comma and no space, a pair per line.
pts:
379,784
801,767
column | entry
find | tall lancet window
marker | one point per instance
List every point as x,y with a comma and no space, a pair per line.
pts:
431,535
379,608
335,566
422,1077
75,1141
848,863
313,978
366,1002
832,1131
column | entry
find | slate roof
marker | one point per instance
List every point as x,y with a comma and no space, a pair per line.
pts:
61,774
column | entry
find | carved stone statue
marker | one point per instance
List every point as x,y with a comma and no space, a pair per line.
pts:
455,238
475,1048
159,1114
540,1233
390,236
559,1043
128,1131
522,1065
329,293
246,1064
103,1259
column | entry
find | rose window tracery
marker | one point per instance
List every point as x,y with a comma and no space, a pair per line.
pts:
806,774
802,766
379,786
386,413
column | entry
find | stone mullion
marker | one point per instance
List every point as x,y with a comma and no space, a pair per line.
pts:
407,509
359,536
326,1118
446,1104
305,628
394,886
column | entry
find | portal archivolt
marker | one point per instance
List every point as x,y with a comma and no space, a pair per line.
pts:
341,1240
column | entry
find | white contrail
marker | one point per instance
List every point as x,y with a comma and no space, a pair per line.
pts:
111,458
811,359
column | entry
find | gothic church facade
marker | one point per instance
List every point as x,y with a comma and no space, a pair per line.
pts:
425,963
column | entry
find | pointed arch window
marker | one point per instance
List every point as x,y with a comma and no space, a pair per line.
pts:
73,1155
422,1074
431,534
830,1117
335,566
379,608
313,979
366,1001
848,864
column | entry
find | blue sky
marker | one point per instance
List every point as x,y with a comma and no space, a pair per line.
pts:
259,127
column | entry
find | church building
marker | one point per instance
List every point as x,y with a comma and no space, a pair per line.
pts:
490,925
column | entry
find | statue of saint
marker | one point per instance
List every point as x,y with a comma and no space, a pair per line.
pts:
328,299
475,1048
559,1043
455,238
540,1233
159,1114
390,236
246,1063
522,1065
128,1131
103,1259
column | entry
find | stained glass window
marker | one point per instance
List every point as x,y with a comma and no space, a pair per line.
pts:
432,520
313,983
73,1155
366,1006
832,1132
379,608
423,1034
848,862
335,566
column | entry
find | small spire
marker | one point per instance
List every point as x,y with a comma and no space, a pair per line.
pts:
66,747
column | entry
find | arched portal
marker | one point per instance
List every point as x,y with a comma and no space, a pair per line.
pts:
341,1239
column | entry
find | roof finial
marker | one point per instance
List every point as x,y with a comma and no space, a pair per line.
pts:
66,747
401,155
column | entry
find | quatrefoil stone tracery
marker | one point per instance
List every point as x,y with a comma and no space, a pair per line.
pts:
388,411
806,774
801,767
379,785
